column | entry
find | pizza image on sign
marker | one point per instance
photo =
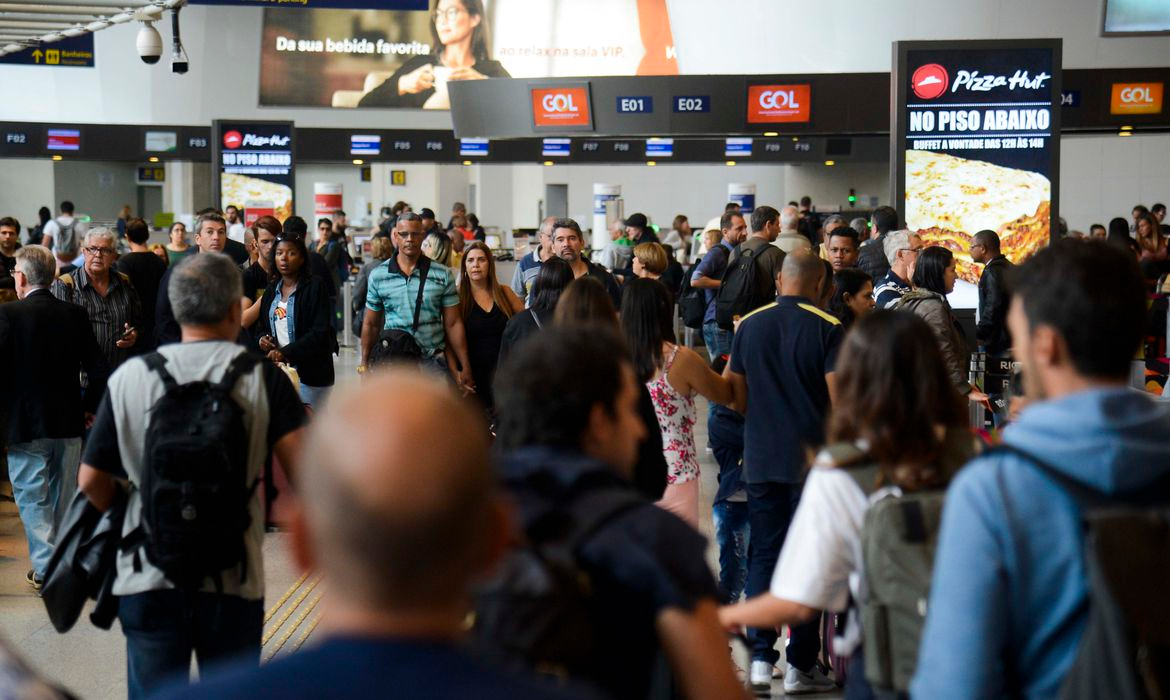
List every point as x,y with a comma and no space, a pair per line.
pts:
241,189
949,199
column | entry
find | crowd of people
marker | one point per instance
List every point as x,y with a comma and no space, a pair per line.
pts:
550,546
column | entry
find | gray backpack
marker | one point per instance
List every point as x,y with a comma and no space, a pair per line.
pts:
898,541
67,243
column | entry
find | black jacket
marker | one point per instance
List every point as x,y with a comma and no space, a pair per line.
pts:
45,343
991,331
872,259
84,566
315,341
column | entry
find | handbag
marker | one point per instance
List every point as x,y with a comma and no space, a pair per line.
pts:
396,345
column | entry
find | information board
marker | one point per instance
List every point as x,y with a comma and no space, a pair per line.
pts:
253,166
975,144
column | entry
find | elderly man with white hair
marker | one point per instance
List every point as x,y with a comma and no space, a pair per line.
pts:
901,249
108,296
790,238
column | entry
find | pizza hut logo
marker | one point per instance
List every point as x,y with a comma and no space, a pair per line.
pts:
233,139
930,81
261,141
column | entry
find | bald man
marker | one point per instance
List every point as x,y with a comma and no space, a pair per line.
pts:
398,529
781,372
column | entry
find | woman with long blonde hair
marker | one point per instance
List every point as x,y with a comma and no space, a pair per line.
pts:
485,305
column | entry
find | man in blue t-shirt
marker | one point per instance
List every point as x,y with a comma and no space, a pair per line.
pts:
399,529
708,276
781,371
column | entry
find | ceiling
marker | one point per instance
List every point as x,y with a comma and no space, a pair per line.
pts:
29,24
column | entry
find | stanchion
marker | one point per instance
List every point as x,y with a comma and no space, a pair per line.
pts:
346,305
977,372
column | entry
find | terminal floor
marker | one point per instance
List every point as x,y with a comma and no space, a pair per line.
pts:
91,662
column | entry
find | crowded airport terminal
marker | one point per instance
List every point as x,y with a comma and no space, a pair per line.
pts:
584,349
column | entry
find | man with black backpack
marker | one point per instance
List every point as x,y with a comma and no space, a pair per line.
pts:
188,428
749,281
1050,574
607,588
708,275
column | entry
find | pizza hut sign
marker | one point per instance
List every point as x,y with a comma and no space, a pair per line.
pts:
931,81
234,139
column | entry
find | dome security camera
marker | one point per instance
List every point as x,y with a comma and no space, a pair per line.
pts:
149,44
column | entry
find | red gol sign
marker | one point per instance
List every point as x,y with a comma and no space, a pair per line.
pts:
768,104
567,106
930,81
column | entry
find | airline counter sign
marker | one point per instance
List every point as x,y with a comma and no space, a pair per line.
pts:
559,107
770,104
1136,98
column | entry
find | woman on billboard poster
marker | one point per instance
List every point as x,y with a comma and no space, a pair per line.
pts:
461,51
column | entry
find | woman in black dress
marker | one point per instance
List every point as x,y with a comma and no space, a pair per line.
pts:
555,274
461,51
486,305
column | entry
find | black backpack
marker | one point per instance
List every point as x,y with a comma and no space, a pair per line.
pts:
692,301
740,290
195,489
534,614
1127,563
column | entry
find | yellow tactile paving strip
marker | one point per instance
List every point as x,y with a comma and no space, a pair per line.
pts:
290,615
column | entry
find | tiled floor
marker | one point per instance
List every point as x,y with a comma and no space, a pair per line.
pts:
91,662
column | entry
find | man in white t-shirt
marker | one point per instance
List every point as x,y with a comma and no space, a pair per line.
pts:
61,236
235,226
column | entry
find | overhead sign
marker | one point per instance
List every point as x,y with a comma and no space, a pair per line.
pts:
771,104
561,107
737,147
973,143
253,164
473,147
323,4
556,147
161,141
70,52
63,140
692,103
635,105
659,148
365,145
1136,98
151,174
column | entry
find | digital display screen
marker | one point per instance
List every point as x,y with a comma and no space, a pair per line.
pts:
659,148
63,140
473,147
738,147
1137,17
254,167
365,145
977,130
556,148
161,142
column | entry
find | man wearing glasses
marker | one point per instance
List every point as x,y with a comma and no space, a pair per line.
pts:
107,296
902,249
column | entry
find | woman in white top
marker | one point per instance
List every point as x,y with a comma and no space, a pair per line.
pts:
673,374
895,408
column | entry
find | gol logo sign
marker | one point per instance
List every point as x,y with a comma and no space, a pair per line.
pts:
1136,98
778,103
567,106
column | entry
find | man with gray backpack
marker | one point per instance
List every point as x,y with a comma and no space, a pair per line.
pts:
62,237
1051,569
187,429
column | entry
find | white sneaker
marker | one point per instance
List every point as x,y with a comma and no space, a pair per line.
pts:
797,682
761,677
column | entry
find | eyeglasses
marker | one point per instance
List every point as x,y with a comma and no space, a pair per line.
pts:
94,250
288,238
447,15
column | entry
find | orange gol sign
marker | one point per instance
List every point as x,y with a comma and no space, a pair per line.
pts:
767,104
567,106
1136,98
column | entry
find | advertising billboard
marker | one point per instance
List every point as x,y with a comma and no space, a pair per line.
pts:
772,104
252,166
975,144
561,106
406,58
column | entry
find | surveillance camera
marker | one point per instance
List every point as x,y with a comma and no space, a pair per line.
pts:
178,66
149,44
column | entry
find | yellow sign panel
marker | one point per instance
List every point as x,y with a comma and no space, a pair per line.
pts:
398,177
